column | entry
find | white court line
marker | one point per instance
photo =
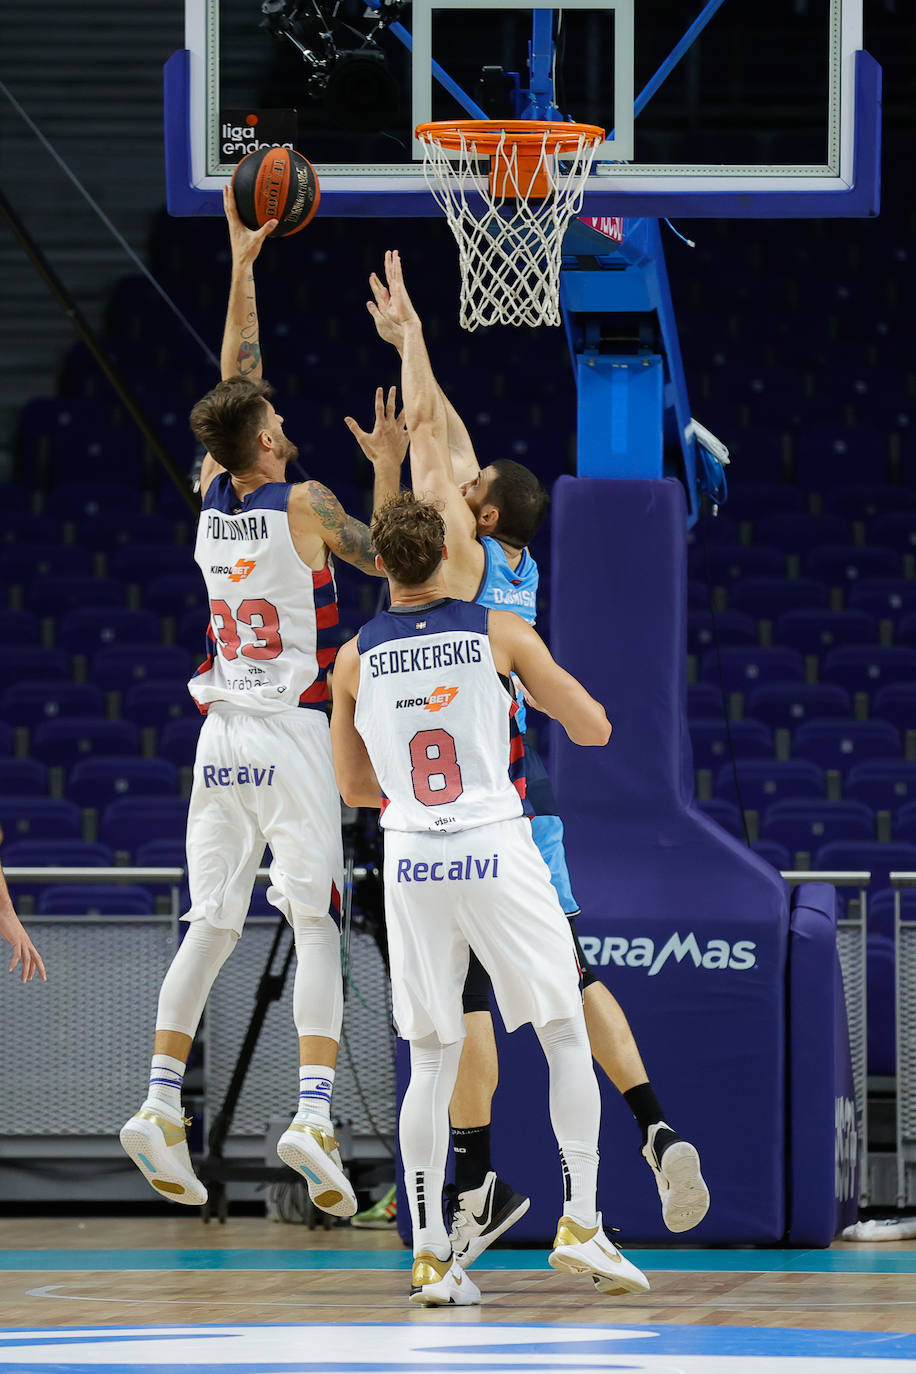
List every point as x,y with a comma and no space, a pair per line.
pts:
50,1290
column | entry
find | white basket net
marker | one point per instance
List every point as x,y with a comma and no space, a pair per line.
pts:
509,246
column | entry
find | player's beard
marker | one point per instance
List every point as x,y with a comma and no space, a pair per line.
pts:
289,453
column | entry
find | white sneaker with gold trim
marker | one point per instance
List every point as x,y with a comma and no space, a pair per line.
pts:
156,1142
581,1249
313,1153
441,1283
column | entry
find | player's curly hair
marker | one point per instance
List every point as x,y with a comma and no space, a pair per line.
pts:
409,535
228,419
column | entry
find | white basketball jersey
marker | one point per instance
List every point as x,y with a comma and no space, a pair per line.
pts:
437,721
269,642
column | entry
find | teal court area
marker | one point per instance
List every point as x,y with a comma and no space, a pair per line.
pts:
464,1340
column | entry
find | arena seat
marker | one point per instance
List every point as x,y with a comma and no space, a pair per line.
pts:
176,593
839,744
766,780
83,630
144,563
64,742
808,825
22,563
775,854
19,627
905,631
746,500
796,533
98,780
704,700
867,499
39,818
128,823
6,738
817,631
729,627
86,502
886,786
23,778
55,595
889,598
32,664
750,739
867,667
117,669
896,703
744,668
895,530
724,813
768,597
178,740
154,704
35,701
905,826
840,564
85,899
726,563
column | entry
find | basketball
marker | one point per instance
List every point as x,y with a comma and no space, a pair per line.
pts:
276,183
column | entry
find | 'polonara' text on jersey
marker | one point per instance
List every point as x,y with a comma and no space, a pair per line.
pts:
270,638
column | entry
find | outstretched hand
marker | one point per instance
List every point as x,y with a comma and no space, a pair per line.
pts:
387,443
399,306
245,243
12,930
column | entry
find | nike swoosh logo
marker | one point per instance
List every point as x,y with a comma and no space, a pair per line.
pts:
618,1259
484,1220
459,1279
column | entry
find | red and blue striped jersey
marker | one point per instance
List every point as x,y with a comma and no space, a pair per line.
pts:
270,641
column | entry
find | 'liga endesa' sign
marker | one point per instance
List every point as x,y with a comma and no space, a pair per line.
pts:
245,131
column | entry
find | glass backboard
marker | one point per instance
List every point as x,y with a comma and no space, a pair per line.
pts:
737,108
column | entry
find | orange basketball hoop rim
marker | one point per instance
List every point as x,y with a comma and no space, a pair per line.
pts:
518,149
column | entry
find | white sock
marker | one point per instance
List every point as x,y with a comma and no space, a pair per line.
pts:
580,1181
316,1083
166,1076
424,1192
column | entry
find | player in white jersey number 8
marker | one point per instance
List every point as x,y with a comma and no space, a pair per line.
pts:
490,516
263,771
461,869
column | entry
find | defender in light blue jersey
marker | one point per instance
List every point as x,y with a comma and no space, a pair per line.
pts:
491,515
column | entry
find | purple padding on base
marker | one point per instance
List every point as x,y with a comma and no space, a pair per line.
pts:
822,1142
650,869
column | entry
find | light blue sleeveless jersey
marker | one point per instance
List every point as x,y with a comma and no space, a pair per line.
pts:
509,589
505,588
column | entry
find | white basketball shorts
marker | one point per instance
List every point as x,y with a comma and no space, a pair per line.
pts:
257,779
488,889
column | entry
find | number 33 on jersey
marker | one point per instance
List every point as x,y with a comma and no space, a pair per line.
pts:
270,641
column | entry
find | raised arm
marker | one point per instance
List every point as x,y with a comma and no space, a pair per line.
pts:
385,446
465,466
241,351
315,514
518,648
356,778
424,409
240,355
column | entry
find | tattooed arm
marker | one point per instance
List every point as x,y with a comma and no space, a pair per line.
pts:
316,519
241,350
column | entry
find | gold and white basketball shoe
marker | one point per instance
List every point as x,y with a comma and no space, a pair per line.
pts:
586,1250
155,1140
313,1153
681,1186
441,1283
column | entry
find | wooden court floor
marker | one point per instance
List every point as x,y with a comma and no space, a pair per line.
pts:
852,1307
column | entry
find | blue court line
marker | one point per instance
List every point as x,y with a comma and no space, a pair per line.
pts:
676,1260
